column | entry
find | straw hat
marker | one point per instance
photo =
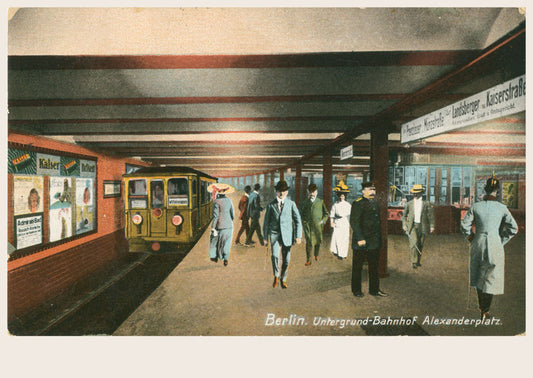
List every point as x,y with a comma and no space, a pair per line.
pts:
220,187
417,188
341,188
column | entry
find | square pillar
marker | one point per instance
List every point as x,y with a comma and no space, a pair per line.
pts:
379,160
327,189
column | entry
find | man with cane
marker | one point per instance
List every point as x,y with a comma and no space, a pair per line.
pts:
417,220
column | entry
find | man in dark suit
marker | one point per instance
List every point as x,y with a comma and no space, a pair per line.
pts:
314,216
282,226
366,240
243,204
253,211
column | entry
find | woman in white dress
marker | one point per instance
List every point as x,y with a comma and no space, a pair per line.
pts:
340,222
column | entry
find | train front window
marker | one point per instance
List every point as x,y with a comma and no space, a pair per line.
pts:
178,191
158,193
137,193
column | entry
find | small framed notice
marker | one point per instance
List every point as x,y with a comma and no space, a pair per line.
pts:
111,188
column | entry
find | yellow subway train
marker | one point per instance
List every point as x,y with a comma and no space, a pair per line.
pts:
167,208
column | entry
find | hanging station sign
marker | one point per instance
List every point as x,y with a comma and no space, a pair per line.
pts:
347,152
498,101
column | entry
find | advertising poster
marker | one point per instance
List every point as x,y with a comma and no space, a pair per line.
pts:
29,230
510,194
60,208
21,162
27,194
84,205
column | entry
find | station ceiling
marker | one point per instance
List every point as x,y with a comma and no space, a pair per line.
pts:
241,91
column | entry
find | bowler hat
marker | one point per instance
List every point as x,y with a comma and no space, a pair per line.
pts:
311,188
417,188
368,184
281,186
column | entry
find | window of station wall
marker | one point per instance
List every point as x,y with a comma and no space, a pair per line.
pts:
457,186
53,198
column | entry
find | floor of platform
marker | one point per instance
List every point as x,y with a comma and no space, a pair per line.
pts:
204,298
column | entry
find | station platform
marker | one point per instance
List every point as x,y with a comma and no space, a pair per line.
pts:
203,298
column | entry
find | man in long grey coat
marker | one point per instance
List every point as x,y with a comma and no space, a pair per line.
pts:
494,227
222,226
418,219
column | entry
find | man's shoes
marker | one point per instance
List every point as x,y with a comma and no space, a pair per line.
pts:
358,294
248,245
308,263
418,264
379,293
276,281
415,266
316,258
214,259
225,262
283,284
237,242
485,315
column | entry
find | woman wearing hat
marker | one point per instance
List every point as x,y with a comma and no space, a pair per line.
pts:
222,226
494,226
340,222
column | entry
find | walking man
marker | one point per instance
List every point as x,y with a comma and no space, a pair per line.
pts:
417,220
314,216
283,226
245,226
253,210
366,240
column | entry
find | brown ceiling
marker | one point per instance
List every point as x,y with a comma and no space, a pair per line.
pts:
248,108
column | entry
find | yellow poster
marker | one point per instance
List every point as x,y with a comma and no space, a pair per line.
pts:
510,194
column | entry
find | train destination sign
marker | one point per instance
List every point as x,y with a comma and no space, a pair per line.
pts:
498,101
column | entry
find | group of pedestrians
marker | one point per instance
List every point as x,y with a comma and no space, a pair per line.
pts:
284,225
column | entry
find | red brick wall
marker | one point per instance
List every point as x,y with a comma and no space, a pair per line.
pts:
41,276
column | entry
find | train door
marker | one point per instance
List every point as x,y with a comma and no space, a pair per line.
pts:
157,204
178,220
137,225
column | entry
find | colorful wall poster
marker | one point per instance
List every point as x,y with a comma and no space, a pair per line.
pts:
510,194
28,230
84,205
27,194
21,162
60,208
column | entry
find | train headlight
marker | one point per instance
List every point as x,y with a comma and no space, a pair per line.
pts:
157,212
137,219
177,220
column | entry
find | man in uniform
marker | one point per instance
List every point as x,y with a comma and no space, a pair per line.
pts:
418,218
366,240
314,216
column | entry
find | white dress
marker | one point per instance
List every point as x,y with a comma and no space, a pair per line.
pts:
340,240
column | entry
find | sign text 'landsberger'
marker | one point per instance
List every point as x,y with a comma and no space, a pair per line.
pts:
501,100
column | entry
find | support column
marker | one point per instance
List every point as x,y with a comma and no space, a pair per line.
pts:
379,160
272,180
282,174
327,188
298,183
